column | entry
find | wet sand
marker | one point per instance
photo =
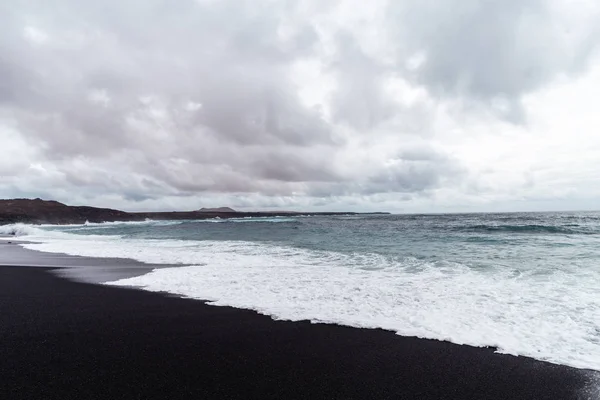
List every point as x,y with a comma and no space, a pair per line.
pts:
83,269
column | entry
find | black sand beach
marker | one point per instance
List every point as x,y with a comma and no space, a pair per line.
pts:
61,339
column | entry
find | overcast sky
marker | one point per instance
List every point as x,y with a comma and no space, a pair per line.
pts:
400,105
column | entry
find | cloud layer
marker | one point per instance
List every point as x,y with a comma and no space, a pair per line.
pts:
295,104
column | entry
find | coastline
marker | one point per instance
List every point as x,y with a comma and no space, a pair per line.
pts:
61,338
38,211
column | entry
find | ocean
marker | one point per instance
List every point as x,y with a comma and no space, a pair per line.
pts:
524,283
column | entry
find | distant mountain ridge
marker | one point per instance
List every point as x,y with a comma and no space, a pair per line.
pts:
38,211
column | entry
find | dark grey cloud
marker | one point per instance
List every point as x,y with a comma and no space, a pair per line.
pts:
491,52
415,170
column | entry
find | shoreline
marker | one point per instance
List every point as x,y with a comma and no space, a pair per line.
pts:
64,338
78,268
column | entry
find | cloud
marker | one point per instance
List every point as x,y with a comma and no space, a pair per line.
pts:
494,51
276,103
360,99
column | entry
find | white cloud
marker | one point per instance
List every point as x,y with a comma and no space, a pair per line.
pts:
35,35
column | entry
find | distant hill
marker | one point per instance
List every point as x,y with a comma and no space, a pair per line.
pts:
38,211
217,209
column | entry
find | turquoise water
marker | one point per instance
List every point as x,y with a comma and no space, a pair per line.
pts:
520,241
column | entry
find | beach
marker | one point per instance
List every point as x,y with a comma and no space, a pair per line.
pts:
63,339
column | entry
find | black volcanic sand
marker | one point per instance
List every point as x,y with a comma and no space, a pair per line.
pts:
67,340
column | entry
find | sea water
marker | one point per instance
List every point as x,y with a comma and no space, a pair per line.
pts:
525,283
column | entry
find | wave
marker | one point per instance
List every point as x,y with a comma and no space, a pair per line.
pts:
21,230
550,316
553,317
45,234
569,229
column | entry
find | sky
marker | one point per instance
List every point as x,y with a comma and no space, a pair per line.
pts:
399,105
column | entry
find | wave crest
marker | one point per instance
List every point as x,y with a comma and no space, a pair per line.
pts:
572,229
20,230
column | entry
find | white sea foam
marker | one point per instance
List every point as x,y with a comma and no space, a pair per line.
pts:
34,232
552,316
